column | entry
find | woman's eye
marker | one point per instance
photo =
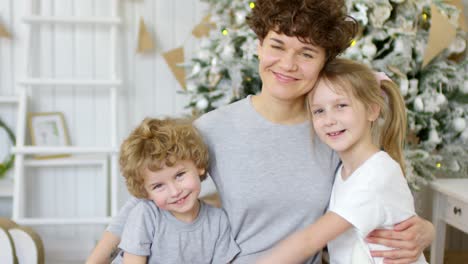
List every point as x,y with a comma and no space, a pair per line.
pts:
276,47
307,55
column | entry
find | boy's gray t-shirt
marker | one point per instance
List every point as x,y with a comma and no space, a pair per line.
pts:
150,231
271,178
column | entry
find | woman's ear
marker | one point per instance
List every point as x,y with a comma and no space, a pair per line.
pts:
374,112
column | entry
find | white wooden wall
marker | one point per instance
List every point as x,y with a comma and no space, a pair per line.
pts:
150,89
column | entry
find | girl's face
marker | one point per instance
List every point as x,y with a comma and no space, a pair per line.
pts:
341,121
288,68
175,189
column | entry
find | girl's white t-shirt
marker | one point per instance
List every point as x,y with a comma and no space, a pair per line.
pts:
374,196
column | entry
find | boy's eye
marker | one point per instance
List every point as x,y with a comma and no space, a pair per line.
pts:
180,175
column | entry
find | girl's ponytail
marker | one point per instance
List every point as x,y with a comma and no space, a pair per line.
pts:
393,130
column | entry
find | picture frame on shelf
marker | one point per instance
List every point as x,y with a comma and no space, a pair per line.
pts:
48,129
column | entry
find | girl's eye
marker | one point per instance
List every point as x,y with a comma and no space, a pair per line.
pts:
157,186
317,111
342,105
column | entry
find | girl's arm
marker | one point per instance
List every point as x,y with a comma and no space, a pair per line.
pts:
103,253
303,244
133,259
409,237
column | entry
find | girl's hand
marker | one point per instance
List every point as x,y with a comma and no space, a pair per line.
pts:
409,238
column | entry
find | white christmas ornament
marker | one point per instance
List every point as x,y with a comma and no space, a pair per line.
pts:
404,84
240,17
465,87
228,52
413,85
440,99
464,136
202,104
191,87
369,49
204,54
457,46
418,104
196,69
434,137
454,166
459,124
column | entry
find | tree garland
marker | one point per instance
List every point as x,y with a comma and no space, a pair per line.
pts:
9,161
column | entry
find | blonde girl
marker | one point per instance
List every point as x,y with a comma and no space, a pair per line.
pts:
362,117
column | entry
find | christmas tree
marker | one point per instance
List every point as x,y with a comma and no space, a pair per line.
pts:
393,38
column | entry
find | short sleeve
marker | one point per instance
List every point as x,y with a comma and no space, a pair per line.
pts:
226,248
117,224
396,198
138,233
356,201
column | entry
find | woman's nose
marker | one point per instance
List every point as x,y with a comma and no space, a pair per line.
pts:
288,62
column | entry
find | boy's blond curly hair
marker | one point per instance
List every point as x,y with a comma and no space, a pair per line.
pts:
156,142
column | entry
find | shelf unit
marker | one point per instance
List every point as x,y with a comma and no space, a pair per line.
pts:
102,156
6,188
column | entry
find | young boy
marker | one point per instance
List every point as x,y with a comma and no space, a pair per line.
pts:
163,162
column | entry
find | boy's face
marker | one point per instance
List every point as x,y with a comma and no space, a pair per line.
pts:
175,189
288,67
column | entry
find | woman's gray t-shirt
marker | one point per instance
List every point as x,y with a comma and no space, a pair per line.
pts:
271,179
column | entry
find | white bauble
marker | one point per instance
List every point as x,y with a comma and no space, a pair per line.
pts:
240,17
434,137
204,54
404,84
418,104
191,87
369,49
464,136
399,46
459,124
454,166
457,46
228,52
440,99
202,104
413,85
397,1
196,69
464,89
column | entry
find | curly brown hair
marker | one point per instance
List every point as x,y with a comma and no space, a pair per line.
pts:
317,22
158,142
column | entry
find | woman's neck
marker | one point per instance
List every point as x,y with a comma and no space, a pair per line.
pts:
280,112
